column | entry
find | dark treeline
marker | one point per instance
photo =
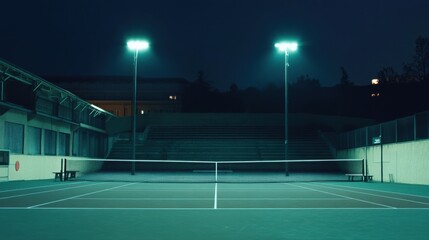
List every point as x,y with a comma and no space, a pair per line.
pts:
396,94
381,102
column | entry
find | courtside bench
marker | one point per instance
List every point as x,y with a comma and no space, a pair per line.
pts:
58,175
352,176
70,175
65,176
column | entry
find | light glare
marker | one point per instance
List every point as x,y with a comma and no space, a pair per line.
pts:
286,46
137,45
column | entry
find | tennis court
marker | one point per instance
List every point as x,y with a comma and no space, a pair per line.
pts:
135,210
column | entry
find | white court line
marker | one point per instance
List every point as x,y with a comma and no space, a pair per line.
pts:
371,194
204,199
264,190
163,190
28,188
376,190
339,195
147,199
215,197
281,199
208,189
210,209
47,191
81,195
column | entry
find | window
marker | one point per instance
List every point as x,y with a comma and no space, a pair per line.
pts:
64,144
81,143
4,157
75,149
14,137
88,144
84,143
34,141
50,142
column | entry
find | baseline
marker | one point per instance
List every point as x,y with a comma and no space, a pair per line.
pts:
377,190
210,209
347,197
375,195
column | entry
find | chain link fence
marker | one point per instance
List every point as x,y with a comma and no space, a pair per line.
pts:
415,127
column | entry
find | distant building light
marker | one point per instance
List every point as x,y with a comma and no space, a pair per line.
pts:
142,112
375,81
375,95
172,97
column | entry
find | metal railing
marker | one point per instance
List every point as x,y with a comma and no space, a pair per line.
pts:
411,128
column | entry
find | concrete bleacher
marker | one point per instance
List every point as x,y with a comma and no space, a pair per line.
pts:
306,143
223,143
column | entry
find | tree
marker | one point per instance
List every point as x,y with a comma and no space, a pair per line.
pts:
344,80
409,74
344,91
233,88
201,82
418,70
388,75
232,101
199,96
421,58
305,82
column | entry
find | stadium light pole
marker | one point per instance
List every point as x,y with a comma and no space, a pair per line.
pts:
136,46
286,47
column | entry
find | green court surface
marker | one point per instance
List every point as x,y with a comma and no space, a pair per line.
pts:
126,210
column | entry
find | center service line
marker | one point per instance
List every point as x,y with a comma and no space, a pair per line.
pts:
215,197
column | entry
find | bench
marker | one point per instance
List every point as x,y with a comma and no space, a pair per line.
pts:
64,176
70,175
351,176
58,175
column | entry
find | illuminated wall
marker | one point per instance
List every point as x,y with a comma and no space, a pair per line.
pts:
37,144
405,162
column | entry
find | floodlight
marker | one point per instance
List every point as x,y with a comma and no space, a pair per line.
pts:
286,46
138,45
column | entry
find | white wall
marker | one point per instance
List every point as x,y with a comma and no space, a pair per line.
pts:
42,167
4,173
406,162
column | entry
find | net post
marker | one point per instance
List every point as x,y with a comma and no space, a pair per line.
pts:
215,171
364,176
286,164
65,169
366,168
133,168
61,170
286,168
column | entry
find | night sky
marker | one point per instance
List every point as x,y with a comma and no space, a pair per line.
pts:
231,41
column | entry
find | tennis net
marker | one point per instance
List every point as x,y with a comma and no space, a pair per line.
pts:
214,171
